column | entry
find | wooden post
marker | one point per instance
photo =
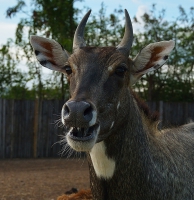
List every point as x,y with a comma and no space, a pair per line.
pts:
12,135
161,113
4,125
1,128
35,132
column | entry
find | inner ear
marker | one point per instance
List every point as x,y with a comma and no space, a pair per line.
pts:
49,53
150,58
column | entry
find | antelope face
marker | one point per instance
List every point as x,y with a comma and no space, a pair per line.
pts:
99,80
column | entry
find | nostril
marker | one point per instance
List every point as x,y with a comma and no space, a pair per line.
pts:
88,113
77,113
66,111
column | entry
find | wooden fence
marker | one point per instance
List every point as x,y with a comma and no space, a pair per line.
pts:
27,128
173,114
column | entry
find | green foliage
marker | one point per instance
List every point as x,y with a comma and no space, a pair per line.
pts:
11,12
102,30
57,19
52,19
171,83
10,76
174,82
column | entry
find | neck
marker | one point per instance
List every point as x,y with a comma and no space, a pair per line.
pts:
139,163
121,160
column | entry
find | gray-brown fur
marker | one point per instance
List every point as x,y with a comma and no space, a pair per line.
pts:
154,116
138,160
150,165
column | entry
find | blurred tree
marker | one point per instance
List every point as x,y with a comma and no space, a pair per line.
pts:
51,18
10,76
174,82
102,30
171,83
57,19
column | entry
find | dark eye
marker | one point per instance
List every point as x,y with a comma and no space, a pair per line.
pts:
68,69
120,71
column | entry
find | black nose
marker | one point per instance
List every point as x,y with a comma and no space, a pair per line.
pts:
77,113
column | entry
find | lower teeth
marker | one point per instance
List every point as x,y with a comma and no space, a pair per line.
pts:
80,132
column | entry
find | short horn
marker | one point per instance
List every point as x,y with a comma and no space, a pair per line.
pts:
78,40
126,43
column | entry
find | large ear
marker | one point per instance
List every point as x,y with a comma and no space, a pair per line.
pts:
150,58
49,53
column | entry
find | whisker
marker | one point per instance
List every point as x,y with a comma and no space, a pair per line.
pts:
55,121
70,153
58,123
58,142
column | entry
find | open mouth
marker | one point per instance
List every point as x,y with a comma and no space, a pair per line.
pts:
83,134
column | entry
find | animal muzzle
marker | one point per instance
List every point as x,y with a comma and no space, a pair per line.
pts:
80,117
77,113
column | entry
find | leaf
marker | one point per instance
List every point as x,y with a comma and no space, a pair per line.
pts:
12,11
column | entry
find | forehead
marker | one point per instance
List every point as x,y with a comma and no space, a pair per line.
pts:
101,56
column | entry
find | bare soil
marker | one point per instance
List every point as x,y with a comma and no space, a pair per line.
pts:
41,179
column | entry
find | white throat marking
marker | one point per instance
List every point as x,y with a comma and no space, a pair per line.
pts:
103,166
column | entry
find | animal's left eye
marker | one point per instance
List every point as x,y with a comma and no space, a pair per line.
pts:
68,69
120,70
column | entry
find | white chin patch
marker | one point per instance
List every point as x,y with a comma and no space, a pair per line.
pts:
103,166
82,145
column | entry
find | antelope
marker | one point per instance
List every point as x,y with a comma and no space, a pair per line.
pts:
128,156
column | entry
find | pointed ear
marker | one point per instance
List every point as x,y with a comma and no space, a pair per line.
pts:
49,53
150,58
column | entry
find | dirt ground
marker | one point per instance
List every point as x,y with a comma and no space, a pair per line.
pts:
41,179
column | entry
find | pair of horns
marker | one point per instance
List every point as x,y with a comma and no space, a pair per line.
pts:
125,44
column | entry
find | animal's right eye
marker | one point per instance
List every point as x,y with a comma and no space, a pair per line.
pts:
120,70
68,69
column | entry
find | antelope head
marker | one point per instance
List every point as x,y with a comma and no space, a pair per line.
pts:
99,81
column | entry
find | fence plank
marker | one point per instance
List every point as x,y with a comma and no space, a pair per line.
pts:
1,128
35,129
4,127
